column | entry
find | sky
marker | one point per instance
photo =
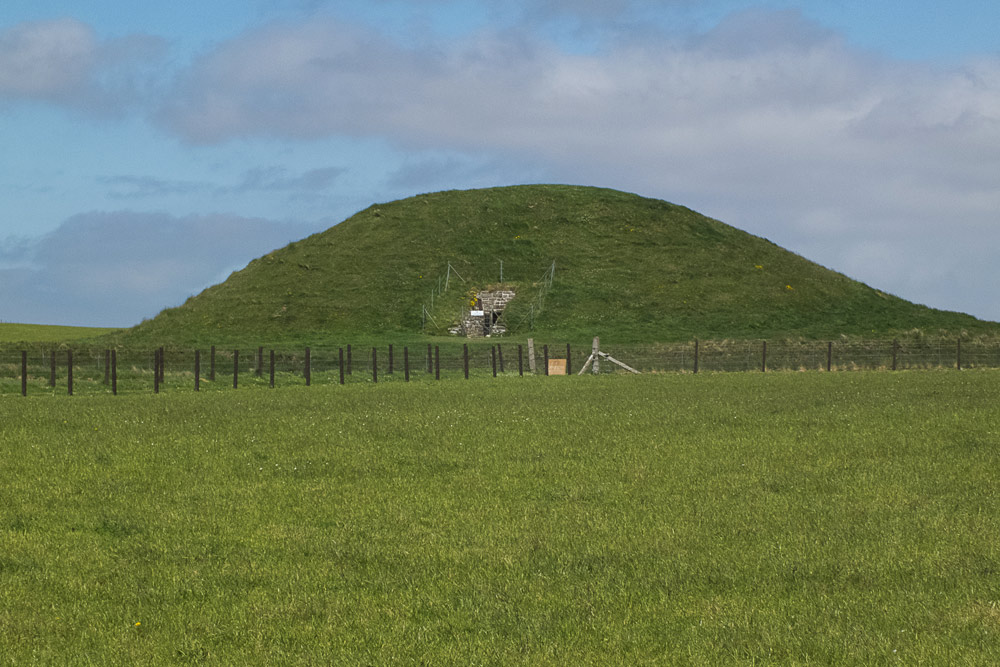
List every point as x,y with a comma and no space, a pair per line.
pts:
147,150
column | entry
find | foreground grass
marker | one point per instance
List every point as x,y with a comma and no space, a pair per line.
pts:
46,333
710,519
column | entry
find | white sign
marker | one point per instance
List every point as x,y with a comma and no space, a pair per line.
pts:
476,313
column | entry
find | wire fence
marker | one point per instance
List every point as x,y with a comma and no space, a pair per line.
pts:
40,370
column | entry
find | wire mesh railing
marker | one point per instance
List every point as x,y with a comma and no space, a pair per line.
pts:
38,370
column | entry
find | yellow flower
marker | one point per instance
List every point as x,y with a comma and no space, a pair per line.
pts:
137,624
789,287
757,266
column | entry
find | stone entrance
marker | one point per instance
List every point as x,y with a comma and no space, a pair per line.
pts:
484,317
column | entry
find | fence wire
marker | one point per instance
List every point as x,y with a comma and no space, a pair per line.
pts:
131,370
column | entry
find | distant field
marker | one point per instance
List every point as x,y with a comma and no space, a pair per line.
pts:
739,518
43,333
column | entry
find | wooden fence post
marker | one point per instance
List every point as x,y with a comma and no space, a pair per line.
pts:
52,369
69,371
493,359
390,359
114,372
211,365
197,370
465,359
340,363
406,363
24,372
695,355
531,356
895,349
520,360
545,358
763,358
374,365
595,349
272,369
829,356
309,367
236,368
569,360
437,362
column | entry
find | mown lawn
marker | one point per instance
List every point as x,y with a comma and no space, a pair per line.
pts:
794,518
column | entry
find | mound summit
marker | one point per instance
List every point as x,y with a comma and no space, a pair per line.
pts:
627,268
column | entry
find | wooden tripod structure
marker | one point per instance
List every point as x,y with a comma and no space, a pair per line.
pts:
595,358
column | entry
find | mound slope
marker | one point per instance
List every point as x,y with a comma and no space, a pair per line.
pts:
628,268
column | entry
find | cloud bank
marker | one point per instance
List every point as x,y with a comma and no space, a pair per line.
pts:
113,269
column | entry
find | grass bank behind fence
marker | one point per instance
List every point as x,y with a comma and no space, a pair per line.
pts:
842,518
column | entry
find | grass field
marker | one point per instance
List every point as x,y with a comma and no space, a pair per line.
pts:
794,518
45,333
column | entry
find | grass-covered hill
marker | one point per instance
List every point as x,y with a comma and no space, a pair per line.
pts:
627,268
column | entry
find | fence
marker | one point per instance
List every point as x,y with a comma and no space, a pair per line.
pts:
88,370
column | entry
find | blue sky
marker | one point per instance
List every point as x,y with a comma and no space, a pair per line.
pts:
151,149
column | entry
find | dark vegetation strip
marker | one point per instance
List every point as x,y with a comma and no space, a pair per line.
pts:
41,371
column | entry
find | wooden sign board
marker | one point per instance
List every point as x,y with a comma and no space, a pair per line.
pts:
557,367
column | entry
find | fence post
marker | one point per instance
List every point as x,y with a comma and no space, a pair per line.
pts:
531,355
763,358
24,372
236,368
569,360
211,365
493,359
545,357
465,359
197,370
309,367
829,356
895,348
114,372
595,348
374,366
406,363
390,359
272,369
695,355
340,363
437,362
520,360
69,371
52,369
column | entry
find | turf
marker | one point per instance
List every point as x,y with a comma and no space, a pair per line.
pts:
791,518
627,268
42,333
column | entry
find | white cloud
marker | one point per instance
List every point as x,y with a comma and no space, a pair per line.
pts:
63,62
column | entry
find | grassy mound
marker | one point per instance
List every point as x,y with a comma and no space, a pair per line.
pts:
627,268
